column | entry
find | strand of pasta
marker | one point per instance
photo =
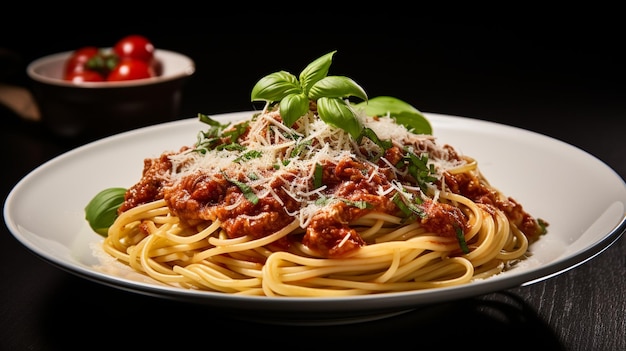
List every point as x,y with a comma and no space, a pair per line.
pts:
239,246
516,247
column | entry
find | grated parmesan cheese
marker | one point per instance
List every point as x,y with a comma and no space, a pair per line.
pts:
284,152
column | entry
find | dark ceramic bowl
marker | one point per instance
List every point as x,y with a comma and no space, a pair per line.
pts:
98,109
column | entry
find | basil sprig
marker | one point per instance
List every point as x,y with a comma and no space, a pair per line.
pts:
330,94
314,84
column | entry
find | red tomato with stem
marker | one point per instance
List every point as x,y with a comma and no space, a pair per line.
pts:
135,46
78,59
130,69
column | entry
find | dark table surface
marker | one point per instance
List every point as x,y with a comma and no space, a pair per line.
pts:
564,85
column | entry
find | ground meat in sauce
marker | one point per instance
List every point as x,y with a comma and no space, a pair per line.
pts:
443,219
150,187
330,235
210,197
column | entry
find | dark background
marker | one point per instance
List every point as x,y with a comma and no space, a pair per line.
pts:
539,71
439,65
556,74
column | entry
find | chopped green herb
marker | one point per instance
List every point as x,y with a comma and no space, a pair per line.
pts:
317,176
217,137
371,135
323,201
248,155
419,168
461,238
247,191
408,208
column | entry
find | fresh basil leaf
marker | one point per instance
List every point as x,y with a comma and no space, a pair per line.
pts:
336,86
401,111
315,71
413,121
101,211
292,107
275,86
336,112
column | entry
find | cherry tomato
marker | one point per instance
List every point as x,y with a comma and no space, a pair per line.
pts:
135,46
78,59
85,75
130,69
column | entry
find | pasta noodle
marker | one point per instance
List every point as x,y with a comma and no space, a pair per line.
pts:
306,211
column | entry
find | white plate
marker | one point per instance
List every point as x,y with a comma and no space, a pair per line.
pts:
581,197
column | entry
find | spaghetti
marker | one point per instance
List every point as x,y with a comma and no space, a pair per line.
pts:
259,208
